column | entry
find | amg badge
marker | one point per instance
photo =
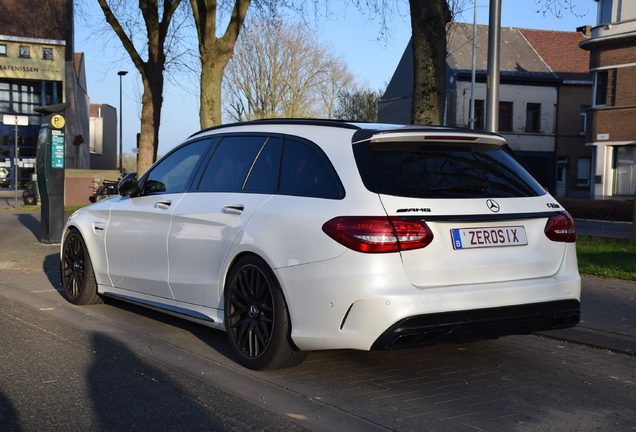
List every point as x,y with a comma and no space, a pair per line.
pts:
414,210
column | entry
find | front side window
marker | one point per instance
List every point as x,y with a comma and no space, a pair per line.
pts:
47,53
442,170
174,173
533,117
3,50
25,51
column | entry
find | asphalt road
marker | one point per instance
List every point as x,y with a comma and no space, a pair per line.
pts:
57,377
603,228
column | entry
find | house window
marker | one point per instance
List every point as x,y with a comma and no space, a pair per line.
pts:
47,53
533,117
3,50
604,12
583,171
25,51
505,116
625,165
583,119
600,88
479,114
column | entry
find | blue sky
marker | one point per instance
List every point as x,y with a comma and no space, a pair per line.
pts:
352,35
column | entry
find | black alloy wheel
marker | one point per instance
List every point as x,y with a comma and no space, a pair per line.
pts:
256,317
78,278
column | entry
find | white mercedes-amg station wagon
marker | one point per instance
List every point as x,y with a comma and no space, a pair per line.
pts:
301,235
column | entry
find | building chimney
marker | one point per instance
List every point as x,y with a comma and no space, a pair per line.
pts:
585,30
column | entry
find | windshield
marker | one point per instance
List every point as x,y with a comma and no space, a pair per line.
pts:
440,170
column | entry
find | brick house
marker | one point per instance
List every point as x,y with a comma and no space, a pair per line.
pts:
544,83
611,128
38,66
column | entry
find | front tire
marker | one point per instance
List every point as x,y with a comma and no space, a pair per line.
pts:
256,317
78,278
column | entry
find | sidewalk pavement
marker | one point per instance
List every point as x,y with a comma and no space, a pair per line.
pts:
608,307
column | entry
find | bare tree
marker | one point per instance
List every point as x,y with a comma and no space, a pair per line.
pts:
556,7
282,70
144,33
358,105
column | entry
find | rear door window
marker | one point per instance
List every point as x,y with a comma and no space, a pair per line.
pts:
442,170
231,163
264,174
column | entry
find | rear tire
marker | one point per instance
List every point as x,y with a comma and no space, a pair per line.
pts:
256,317
78,278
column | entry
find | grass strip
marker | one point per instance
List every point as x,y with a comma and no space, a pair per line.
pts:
606,257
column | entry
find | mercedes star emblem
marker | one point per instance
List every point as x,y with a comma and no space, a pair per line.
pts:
493,205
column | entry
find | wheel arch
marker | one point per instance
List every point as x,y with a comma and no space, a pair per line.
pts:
96,250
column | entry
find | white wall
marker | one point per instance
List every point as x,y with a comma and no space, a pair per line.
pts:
519,95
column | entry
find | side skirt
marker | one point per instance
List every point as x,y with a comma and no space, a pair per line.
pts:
206,316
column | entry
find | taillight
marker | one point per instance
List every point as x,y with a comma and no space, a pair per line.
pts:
560,228
372,234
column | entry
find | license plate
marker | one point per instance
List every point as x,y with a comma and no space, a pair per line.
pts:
470,238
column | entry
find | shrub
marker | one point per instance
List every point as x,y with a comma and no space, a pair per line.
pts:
609,210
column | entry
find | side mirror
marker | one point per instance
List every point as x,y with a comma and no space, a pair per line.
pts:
129,186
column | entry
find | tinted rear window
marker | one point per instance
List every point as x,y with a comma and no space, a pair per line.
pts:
442,170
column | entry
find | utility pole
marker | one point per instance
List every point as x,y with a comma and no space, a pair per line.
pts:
492,79
121,155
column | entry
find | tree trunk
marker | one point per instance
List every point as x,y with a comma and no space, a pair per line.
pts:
215,53
428,22
213,64
151,103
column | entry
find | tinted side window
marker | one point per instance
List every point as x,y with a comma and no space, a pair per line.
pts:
307,172
264,174
231,162
174,173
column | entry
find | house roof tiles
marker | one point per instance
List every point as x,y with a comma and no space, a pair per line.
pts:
524,53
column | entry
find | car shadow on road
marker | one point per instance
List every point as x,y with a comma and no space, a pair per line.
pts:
51,267
213,338
9,415
127,389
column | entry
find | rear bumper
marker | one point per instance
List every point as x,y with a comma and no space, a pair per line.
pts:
479,324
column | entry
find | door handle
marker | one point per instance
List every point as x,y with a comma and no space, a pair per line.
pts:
234,209
163,205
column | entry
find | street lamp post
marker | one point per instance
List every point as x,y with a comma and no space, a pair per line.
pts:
121,155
